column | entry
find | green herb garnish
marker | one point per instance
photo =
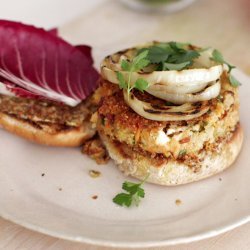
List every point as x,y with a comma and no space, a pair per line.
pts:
138,63
218,57
234,82
157,54
134,194
177,66
171,56
165,56
141,84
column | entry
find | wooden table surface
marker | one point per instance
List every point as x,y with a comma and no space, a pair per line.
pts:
222,24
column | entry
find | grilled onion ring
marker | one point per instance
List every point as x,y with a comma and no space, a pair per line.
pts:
186,111
204,70
210,92
194,77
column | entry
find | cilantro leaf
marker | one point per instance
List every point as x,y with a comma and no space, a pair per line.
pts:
141,84
130,187
141,192
234,82
157,54
134,194
141,64
173,66
218,57
180,47
140,61
140,56
165,55
125,65
121,79
123,199
186,56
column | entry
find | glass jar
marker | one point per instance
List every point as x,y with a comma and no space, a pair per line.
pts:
165,6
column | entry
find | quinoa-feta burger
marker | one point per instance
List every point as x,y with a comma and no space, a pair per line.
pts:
169,112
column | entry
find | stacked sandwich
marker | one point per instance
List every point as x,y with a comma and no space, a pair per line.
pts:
169,112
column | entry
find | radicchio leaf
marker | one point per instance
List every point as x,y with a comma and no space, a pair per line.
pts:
53,31
86,50
44,64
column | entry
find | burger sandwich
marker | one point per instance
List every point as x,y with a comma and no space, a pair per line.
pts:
169,112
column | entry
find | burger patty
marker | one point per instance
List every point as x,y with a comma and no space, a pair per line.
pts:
45,112
121,124
193,161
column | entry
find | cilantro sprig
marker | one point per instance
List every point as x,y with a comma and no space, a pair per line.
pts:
218,57
165,56
171,55
138,63
133,195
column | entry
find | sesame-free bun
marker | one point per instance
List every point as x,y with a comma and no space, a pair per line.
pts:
72,137
172,172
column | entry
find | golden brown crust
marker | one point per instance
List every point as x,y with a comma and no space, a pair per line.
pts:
119,122
114,108
171,172
73,137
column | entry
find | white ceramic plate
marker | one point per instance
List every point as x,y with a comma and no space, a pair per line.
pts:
60,204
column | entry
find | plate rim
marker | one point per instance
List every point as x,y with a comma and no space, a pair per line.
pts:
123,244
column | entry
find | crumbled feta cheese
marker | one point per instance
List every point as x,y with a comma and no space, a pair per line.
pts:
162,138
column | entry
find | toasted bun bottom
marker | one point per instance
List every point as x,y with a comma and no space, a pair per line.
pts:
69,138
172,172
